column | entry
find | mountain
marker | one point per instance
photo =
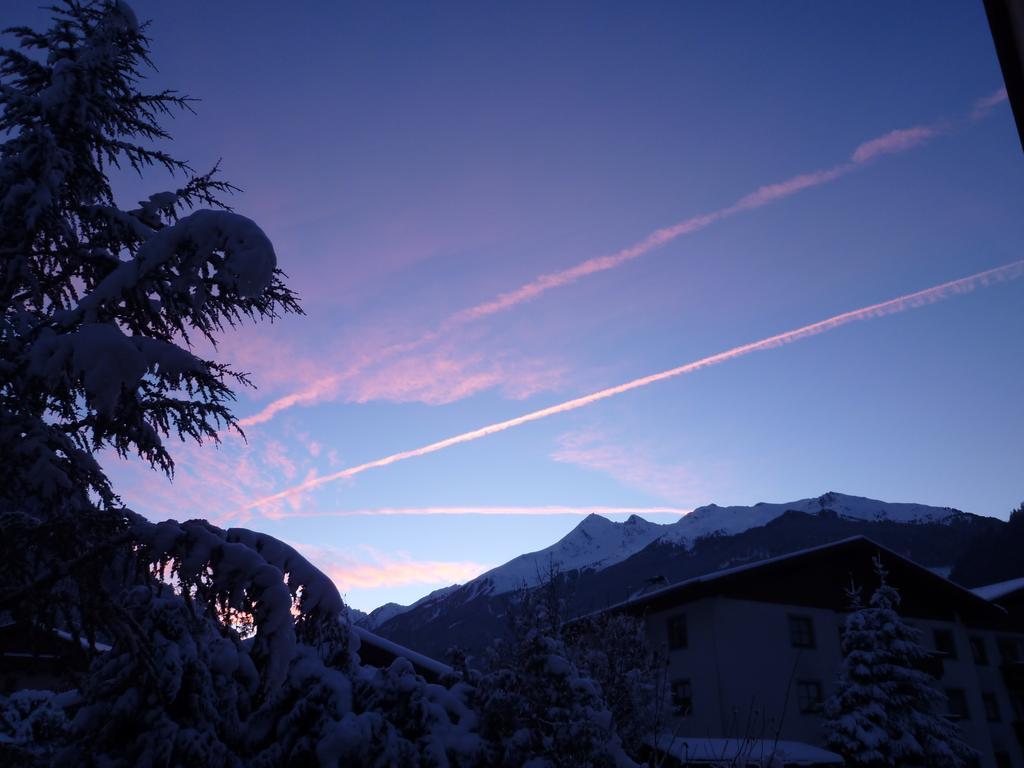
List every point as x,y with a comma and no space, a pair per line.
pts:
716,520
595,543
601,562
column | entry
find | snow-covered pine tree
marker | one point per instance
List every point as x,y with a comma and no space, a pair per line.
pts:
612,649
99,304
886,710
537,708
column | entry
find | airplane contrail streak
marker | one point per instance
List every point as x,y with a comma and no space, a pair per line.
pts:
899,304
893,142
552,510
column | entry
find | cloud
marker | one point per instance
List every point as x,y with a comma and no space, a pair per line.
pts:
326,386
882,309
553,510
895,141
983,106
367,568
632,465
447,374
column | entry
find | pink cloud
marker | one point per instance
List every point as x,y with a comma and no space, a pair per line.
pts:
326,386
367,568
903,303
895,141
632,465
447,374
553,510
983,106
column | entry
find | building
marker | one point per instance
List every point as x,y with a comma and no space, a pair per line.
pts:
753,651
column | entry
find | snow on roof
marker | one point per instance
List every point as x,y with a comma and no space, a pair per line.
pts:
715,575
999,589
417,659
751,751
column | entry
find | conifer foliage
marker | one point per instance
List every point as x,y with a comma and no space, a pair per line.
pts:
203,646
886,710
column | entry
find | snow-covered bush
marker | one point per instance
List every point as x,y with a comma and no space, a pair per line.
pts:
33,726
536,707
612,649
227,648
886,710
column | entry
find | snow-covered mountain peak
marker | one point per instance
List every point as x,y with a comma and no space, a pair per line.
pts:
596,542
713,519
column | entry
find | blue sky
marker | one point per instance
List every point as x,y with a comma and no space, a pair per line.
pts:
412,160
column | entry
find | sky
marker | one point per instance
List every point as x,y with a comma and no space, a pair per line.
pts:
491,209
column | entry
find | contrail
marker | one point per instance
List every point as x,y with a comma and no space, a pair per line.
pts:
551,510
892,306
893,142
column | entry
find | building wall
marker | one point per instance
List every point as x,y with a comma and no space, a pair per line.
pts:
745,673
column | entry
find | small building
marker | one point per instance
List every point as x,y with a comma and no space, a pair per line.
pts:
377,651
753,651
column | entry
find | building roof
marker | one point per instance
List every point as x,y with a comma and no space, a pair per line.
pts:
378,651
745,751
999,589
821,576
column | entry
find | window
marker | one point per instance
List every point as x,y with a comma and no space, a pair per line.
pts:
801,632
944,642
682,698
991,707
1009,649
677,633
808,696
978,650
957,703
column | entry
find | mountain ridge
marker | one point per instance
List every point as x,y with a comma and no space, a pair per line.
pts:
597,544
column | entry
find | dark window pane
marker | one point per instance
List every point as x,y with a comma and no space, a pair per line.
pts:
808,696
991,707
677,633
978,650
957,703
1009,649
801,632
682,697
944,642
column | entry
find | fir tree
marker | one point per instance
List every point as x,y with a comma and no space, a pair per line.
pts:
886,710
537,708
99,305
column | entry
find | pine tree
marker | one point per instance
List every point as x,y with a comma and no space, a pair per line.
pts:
886,709
99,305
537,708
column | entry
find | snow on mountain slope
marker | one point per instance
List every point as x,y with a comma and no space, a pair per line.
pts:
598,542
388,611
595,543
712,519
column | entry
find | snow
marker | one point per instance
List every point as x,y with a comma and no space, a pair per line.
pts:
388,611
598,542
750,752
400,651
999,589
713,519
595,543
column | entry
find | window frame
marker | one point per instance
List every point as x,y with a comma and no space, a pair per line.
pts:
960,695
797,637
672,627
951,652
979,649
678,701
809,705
